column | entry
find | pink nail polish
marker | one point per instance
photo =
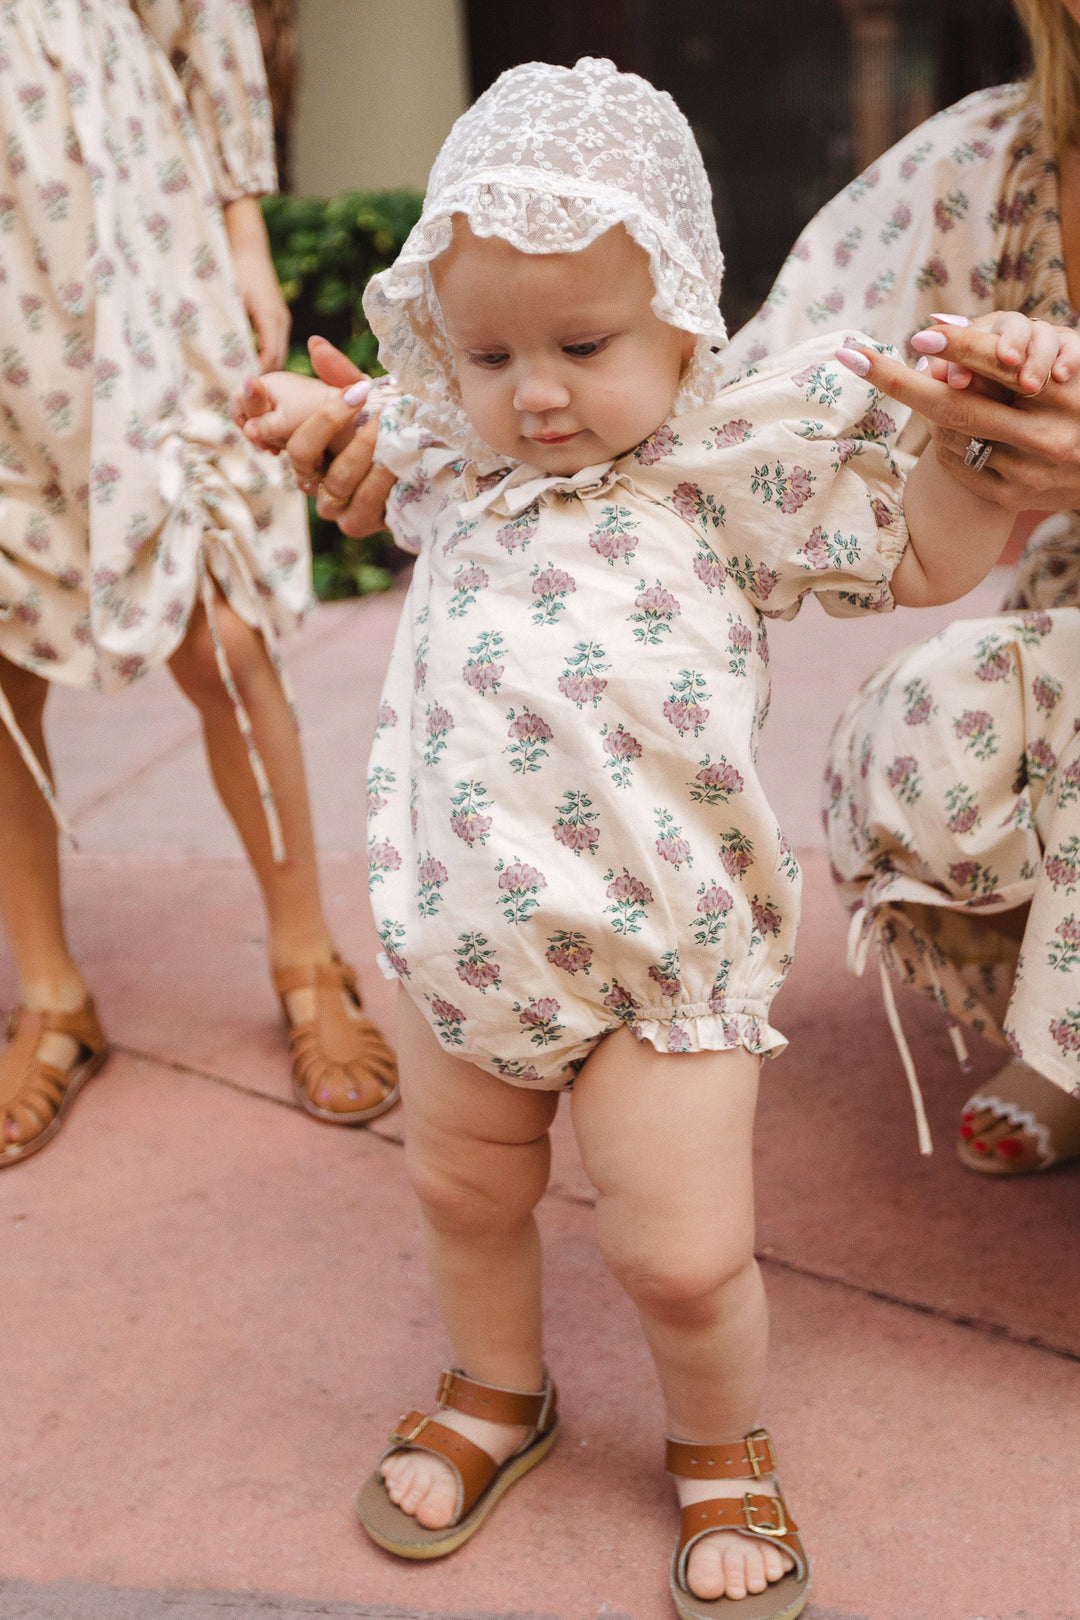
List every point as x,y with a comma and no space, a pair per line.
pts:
929,342
951,320
358,392
855,361
249,388
923,364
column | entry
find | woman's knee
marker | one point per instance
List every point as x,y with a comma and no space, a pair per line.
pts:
195,666
25,691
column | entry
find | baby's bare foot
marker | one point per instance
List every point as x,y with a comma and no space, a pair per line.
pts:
727,1564
425,1487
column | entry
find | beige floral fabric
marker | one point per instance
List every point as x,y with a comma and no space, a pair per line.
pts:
954,779
566,827
123,486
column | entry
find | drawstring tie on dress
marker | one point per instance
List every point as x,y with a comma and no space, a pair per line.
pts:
864,932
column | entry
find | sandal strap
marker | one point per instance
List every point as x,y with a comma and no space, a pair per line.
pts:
747,1458
333,975
528,1408
762,1518
471,1465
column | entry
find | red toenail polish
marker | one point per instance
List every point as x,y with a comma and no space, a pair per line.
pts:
980,1147
1010,1148
966,1133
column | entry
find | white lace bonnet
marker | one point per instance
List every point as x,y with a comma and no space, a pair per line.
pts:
549,158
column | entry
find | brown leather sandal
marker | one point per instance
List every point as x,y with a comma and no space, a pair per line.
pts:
33,1092
480,1480
761,1517
342,1069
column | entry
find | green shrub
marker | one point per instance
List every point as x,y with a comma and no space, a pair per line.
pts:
325,253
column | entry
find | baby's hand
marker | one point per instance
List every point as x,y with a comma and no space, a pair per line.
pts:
269,409
1029,352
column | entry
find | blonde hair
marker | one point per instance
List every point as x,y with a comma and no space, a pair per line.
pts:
1055,80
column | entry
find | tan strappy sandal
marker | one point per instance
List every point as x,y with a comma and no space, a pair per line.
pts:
33,1092
480,1480
761,1517
342,1069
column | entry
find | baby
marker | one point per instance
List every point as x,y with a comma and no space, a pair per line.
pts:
576,875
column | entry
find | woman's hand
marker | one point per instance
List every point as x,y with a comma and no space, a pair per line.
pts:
352,490
258,282
1034,462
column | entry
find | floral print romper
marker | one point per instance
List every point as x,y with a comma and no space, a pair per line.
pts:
567,832
954,777
123,485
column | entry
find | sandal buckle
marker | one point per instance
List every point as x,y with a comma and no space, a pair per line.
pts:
762,1462
778,1528
399,1439
446,1387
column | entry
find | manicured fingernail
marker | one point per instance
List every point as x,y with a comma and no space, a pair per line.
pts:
929,342
249,388
358,392
923,365
855,361
951,320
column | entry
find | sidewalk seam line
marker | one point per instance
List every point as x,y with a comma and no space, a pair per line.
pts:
974,1324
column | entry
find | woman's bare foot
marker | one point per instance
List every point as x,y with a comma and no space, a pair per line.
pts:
424,1486
727,1564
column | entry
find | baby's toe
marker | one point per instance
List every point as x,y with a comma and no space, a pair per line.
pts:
436,1509
705,1569
777,1563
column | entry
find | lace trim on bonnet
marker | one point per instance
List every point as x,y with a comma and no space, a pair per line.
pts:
548,159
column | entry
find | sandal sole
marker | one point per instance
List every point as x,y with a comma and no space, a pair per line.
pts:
86,1071
373,1505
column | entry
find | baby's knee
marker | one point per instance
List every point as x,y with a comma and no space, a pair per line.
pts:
467,1207
684,1279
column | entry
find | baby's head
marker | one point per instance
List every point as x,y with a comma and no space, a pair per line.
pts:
558,298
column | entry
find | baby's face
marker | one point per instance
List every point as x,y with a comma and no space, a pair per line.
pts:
560,359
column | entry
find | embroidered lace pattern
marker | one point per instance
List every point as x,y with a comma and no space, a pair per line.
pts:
548,159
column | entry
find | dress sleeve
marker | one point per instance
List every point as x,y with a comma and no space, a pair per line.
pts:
793,481
948,219
426,471
214,47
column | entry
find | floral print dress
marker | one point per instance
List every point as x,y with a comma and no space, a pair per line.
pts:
567,832
954,777
123,486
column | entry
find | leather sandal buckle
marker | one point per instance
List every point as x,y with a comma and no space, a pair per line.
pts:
399,1439
762,1462
446,1388
750,1512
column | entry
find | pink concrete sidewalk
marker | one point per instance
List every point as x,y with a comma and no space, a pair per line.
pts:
214,1307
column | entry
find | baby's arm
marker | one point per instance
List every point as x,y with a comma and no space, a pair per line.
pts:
956,536
269,409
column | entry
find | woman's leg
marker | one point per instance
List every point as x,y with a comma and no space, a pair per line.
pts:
666,1139
298,932
341,1065
478,1156
30,891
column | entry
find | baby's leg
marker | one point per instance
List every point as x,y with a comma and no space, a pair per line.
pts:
666,1140
478,1157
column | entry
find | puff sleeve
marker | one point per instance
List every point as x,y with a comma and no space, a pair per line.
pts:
214,47
426,471
793,480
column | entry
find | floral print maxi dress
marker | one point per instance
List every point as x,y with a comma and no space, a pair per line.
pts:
566,828
954,778
123,486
